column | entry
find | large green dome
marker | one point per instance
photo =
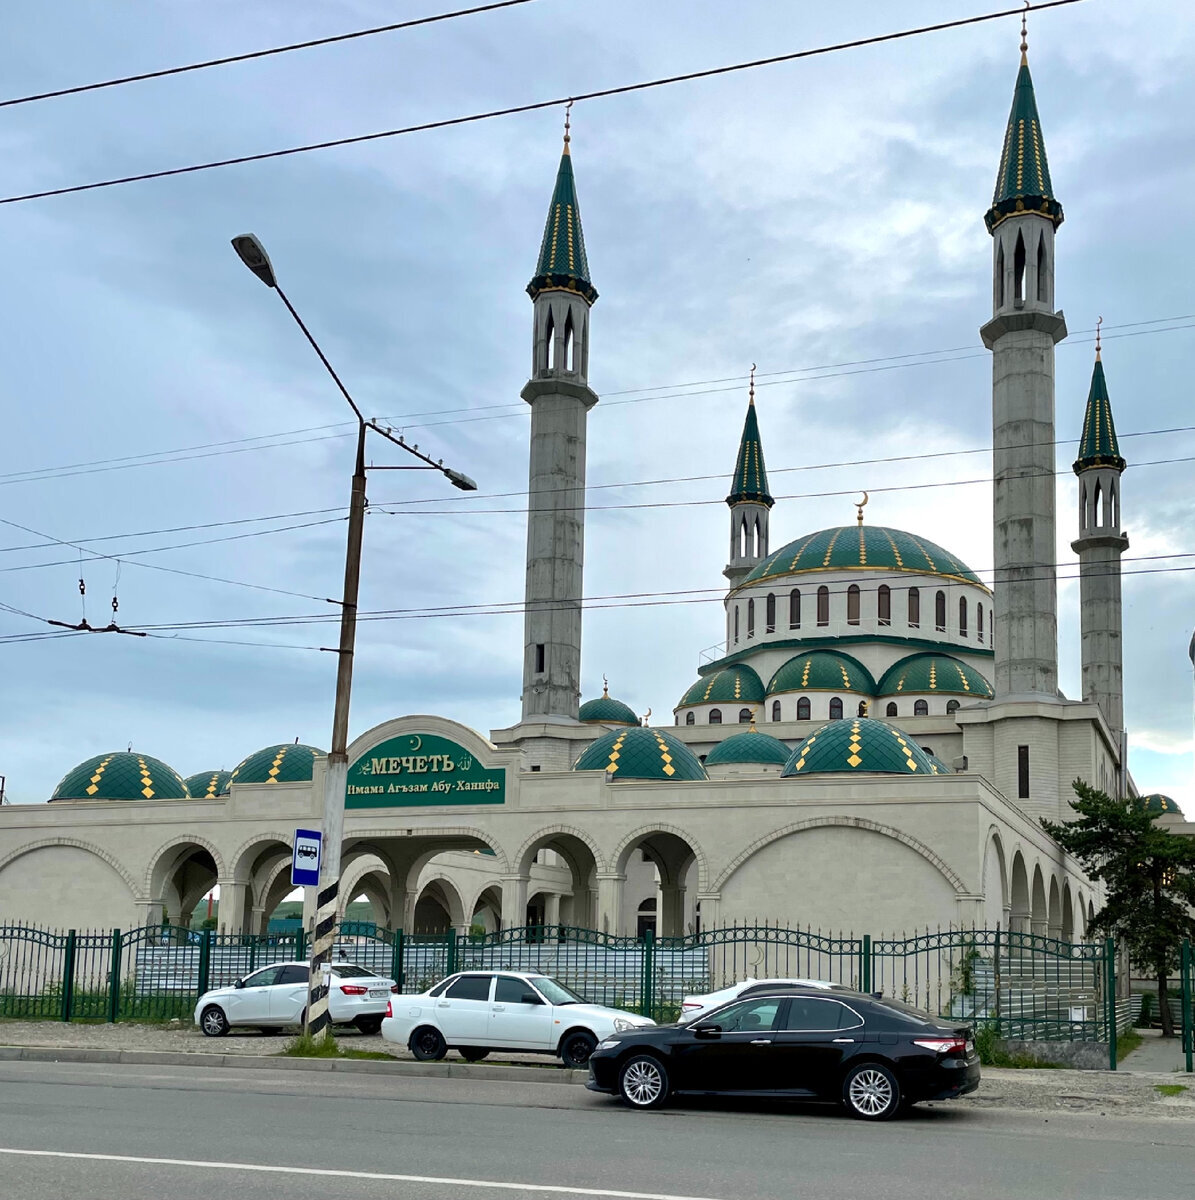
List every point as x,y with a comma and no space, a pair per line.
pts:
822,671
206,784
858,547
732,685
605,710
289,763
1157,803
934,673
858,746
641,753
122,775
749,747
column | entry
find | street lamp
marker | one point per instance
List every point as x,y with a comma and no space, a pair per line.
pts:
253,254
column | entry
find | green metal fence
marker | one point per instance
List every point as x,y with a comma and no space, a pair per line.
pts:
1025,985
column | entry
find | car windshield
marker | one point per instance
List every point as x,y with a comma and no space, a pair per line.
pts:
556,993
351,971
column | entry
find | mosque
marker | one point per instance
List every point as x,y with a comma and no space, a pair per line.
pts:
871,750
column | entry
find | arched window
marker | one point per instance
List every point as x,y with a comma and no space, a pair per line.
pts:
803,709
743,538
921,708
852,604
550,342
794,609
914,609
569,342
1018,268
890,711
750,618
775,710
758,539
715,716
736,622
770,621
823,605
884,604
962,616
744,716
836,709
979,621
1000,276
951,707
690,718
939,612
928,749
1041,267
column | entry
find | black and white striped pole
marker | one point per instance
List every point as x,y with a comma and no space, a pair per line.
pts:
317,1019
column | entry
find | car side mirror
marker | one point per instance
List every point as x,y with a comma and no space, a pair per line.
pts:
239,983
529,998
707,1031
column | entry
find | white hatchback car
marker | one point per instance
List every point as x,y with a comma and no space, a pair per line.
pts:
276,996
694,1006
479,1011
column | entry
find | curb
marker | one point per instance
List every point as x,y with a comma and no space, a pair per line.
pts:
160,1058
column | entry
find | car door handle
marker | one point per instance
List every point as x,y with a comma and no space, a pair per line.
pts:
499,1008
761,1041
444,1004
837,1040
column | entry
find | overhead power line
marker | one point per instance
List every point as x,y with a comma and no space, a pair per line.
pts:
537,105
78,89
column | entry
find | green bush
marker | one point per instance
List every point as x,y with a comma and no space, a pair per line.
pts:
1145,1019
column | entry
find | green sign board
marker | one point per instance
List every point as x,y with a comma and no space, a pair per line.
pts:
421,769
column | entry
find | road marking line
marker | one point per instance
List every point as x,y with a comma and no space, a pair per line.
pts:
493,1184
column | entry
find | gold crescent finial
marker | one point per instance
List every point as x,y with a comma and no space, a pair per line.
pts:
751,388
646,719
567,122
1025,33
1099,322
859,506
605,687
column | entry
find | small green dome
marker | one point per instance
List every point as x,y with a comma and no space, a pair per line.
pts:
605,710
934,673
1157,803
861,547
207,784
122,775
289,763
858,746
749,747
822,671
733,685
641,753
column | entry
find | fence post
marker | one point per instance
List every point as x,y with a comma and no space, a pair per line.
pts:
301,944
1185,977
396,959
114,978
647,996
451,963
996,976
1110,998
68,975
865,964
204,974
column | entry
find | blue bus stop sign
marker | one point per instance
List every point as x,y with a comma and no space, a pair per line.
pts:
305,859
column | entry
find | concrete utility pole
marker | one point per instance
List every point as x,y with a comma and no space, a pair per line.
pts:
317,1021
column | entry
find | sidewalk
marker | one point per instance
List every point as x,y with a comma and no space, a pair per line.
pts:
1156,1054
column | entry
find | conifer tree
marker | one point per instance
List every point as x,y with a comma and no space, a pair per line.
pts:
1148,874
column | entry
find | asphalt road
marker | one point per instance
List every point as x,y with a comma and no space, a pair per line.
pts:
142,1133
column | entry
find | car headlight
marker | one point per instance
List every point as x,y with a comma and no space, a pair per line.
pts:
609,1043
621,1024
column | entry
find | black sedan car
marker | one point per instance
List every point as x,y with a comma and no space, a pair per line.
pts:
875,1056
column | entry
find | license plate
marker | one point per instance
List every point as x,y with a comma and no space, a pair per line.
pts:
380,994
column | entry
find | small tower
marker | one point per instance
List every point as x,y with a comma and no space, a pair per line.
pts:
1099,547
1021,335
560,398
749,500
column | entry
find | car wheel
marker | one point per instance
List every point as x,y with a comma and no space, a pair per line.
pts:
871,1092
369,1024
473,1053
427,1044
643,1082
213,1022
576,1049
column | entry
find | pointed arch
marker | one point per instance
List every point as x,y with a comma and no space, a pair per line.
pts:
751,617
962,616
794,609
823,605
1000,274
770,613
1042,275
852,604
1018,268
550,341
568,354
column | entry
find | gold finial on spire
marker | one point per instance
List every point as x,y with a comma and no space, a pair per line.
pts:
646,718
1098,323
567,123
751,728
751,385
1024,37
859,505
605,688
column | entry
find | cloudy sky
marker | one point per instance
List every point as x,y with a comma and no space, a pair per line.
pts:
821,218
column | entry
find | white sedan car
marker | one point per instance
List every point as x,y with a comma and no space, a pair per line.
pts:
694,1006
479,1011
276,996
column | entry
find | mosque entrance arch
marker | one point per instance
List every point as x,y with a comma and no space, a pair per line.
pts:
662,866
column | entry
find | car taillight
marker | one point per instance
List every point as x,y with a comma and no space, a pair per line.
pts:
354,989
389,1010
394,988
942,1045
689,1007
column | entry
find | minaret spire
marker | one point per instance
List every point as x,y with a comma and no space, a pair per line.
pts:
749,499
560,399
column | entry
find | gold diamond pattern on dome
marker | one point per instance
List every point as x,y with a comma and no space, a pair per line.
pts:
920,673
854,746
864,745
830,548
276,766
147,780
805,673
909,760
933,675
93,787
615,752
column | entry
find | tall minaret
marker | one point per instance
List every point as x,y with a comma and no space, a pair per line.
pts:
1021,335
560,399
1099,547
749,500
